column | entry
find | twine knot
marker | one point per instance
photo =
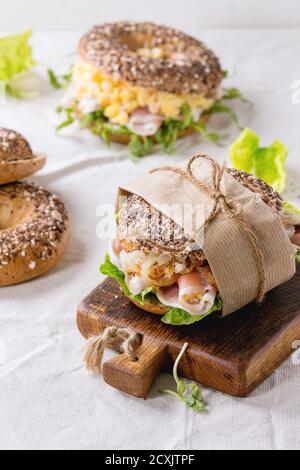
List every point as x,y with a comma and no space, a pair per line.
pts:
97,345
222,203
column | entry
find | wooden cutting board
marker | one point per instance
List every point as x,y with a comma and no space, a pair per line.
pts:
233,355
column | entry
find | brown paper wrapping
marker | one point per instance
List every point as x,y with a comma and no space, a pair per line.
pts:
225,244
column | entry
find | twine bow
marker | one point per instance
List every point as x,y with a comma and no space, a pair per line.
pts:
97,345
228,206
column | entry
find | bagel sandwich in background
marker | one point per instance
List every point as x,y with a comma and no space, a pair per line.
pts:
142,84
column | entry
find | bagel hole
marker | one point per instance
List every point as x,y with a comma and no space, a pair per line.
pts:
136,41
13,213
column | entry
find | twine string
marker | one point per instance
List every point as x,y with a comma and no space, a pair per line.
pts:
97,345
222,203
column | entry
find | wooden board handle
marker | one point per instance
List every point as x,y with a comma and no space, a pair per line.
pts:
136,378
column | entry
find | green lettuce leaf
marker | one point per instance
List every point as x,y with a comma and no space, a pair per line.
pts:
110,270
290,209
69,119
167,135
142,297
140,146
268,163
16,57
298,257
177,316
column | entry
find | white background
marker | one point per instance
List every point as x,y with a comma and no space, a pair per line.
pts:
79,14
47,400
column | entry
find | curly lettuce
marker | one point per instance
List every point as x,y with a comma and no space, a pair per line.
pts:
16,58
175,316
290,209
166,136
112,271
267,163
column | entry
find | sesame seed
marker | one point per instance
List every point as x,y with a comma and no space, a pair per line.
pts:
40,232
13,146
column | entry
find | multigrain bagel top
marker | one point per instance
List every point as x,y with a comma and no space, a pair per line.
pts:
13,146
177,63
17,159
143,227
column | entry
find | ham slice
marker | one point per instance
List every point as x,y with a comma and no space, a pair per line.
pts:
192,294
143,123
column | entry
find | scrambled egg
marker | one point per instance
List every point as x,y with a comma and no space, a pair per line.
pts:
120,99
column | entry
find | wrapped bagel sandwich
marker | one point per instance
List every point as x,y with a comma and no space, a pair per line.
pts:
199,239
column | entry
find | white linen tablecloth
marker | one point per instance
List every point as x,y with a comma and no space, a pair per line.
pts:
47,399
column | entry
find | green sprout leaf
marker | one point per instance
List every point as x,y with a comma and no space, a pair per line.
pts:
219,107
234,94
188,393
59,81
225,73
168,133
209,136
140,146
188,118
70,118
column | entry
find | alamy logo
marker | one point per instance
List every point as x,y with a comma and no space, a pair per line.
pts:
296,354
2,352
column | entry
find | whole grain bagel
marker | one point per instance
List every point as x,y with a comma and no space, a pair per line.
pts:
17,160
152,307
186,65
145,225
34,231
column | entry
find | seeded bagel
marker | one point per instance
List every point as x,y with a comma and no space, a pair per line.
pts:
153,231
17,160
187,66
141,227
34,230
